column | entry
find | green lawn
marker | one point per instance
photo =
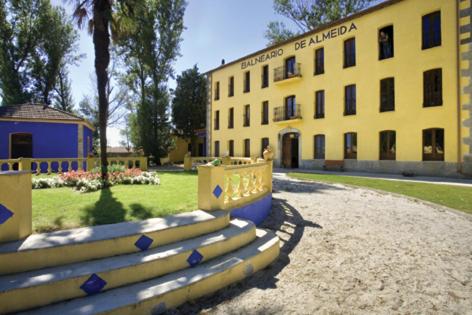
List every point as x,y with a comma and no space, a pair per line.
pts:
61,208
455,197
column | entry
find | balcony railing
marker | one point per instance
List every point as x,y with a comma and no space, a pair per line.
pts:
284,73
283,113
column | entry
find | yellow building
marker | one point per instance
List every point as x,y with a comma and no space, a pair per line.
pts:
387,89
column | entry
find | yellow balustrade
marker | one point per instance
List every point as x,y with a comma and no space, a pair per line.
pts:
66,164
190,162
230,186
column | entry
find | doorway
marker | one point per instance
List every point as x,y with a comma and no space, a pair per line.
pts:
290,150
21,145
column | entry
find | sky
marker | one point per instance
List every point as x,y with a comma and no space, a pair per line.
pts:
215,30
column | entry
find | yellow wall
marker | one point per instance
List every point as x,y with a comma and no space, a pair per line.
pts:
181,148
407,67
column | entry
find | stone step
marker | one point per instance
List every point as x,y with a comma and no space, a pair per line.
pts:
83,244
157,295
42,287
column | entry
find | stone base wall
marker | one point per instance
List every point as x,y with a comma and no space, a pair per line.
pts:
467,166
442,169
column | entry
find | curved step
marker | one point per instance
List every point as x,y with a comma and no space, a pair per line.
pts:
157,295
42,287
83,244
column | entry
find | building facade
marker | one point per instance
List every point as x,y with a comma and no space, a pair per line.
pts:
37,131
387,89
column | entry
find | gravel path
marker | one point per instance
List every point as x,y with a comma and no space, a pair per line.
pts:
356,251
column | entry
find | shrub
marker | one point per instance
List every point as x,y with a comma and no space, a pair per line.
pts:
91,181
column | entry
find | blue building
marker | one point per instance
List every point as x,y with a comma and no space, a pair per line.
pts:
38,131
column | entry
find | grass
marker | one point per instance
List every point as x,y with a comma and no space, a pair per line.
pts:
456,197
62,208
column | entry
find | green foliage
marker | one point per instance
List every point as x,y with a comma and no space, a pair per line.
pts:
310,14
150,44
37,43
189,104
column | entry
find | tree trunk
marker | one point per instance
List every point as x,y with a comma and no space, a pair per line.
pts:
101,41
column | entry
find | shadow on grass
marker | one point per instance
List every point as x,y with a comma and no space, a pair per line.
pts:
106,210
140,212
290,226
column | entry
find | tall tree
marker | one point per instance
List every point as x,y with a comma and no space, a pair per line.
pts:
310,14
150,45
36,41
62,98
189,104
99,17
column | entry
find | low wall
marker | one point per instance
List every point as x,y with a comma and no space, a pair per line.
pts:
15,206
245,190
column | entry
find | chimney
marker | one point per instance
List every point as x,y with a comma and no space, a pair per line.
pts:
222,62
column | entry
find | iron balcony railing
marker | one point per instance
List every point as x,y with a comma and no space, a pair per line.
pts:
283,113
284,72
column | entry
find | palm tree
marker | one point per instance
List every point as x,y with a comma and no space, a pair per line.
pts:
99,16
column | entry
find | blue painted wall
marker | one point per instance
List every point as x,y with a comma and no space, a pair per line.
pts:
50,140
256,212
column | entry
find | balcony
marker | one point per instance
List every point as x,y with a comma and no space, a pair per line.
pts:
283,114
286,74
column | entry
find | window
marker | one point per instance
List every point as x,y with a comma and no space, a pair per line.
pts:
264,145
350,100
21,145
217,91
231,87
432,30
247,116
432,88
319,61
265,113
217,148
231,118
386,42
350,145
290,107
217,120
231,147
319,104
265,76
247,82
387,145
247,148
387,94
349,52
290,67
433,144
319,147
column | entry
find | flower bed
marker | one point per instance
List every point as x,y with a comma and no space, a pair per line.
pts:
91,181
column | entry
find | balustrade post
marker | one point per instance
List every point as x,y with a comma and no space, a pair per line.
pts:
24,165
211,187
15,205
187,162
267,175
144,163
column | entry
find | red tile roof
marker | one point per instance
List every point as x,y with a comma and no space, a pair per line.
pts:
36,111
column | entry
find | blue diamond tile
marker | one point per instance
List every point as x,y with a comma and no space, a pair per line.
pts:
93,285
144,242
5,214
195,258
217,191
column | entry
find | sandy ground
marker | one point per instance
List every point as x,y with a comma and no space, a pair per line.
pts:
355,251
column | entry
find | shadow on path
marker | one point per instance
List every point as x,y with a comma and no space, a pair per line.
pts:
290,226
